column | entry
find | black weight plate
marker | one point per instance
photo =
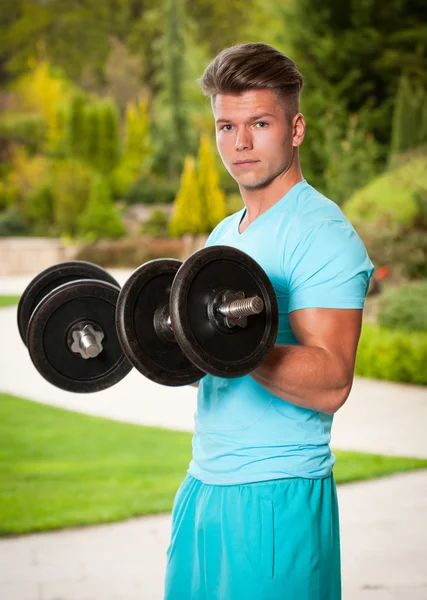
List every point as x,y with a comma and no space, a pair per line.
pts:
146,290
82,300
51,278
202,276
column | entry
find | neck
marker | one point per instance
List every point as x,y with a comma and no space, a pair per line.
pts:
260,200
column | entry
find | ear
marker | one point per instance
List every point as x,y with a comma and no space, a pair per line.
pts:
298,129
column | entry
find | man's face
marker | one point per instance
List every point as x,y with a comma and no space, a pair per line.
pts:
255,137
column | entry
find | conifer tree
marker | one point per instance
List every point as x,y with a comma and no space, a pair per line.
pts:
100,218
187,214
108,137
213,198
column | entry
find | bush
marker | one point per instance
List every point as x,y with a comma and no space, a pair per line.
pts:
100,218
12,223
391,196
71,185
390,244
130,252
151,191
156,225
392,355
405,307
28,129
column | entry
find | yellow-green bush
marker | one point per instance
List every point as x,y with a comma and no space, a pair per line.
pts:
391,196
393,355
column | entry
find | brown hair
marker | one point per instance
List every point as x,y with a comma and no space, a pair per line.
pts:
253,66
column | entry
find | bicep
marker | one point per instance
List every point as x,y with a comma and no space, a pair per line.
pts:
335,330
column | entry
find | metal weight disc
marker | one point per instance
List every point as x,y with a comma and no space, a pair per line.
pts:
51,278
50,329
222,352
141,299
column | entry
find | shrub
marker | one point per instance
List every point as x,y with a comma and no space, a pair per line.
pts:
12,222
392,355
391,196
100,218
390,244
151,190
28,129
130,252
405,307
71,185
156,224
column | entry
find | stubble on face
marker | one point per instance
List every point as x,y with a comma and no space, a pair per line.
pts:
271,146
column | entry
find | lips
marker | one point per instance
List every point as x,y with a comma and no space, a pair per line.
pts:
246,162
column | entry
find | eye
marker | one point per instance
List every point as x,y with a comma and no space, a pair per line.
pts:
224,126
261,123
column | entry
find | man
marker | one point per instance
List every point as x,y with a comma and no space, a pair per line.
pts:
256,517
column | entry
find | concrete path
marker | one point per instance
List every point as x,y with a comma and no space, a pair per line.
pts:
384,522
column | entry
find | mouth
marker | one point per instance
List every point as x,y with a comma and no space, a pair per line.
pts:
245,163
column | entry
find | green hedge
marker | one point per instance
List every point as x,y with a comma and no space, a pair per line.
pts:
405,307
392,355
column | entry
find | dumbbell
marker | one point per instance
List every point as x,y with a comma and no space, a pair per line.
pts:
215,313
66,318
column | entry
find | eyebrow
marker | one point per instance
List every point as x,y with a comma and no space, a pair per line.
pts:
255,118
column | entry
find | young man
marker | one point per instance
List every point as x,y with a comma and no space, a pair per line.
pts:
256,517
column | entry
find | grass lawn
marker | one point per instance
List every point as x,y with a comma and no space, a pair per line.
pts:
8,301
60,469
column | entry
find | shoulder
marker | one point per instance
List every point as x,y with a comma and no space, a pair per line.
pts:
222,228
313,210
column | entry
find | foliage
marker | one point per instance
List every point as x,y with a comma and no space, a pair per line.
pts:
130,252
352,157
156,225
26,173
100,218
188,213
409,128
213,199
151,190
351,56
135,158
389,196
123,75
42,91
392,355
23,128
404,249
39,208
405,307
71,182
12,223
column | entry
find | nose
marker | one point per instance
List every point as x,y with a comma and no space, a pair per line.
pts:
243,140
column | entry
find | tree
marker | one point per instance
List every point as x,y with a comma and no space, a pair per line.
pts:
100,218
213,199
137,147
187,216
409,117
351,56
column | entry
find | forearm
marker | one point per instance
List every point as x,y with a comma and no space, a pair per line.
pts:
307,376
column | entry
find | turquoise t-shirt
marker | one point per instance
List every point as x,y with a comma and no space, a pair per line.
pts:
314,259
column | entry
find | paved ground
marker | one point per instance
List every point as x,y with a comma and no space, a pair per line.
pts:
384,522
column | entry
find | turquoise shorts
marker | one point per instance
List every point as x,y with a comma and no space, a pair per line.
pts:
270,540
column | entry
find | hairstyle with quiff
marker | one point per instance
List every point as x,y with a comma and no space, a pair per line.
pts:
253,66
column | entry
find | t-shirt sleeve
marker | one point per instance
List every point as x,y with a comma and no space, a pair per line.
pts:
328,267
